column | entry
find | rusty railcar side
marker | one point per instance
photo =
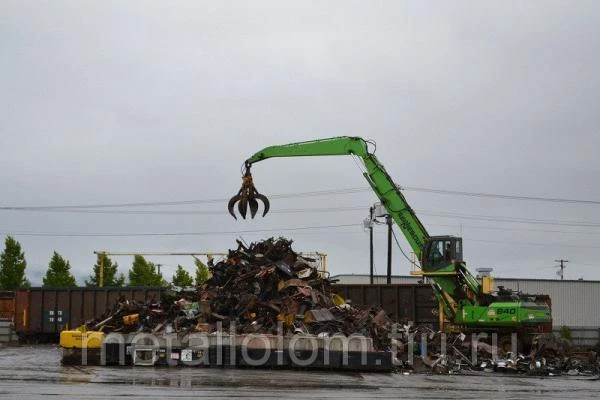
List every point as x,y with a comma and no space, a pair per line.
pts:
401,302
41,313
7,305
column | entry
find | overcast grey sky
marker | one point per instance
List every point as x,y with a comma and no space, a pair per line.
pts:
108,102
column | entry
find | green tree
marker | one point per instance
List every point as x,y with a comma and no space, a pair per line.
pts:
143,273
12,266
109,275
59,273
202,272
182,278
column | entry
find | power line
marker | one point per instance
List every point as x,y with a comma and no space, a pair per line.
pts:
440,214
536,244
530,243
321,227
500,196
180,202
400,247
327,192
187,212
510,219
495,228
584,265
112,234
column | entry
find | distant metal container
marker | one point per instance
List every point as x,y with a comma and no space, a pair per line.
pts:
7,305
40,313
402,303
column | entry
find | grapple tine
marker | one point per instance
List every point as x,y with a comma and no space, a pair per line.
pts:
242,207
231,204
265,201
247,197
253,204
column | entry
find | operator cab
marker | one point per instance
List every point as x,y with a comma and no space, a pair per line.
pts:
441,251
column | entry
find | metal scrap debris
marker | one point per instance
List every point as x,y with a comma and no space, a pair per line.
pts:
268,288
258,288
449,353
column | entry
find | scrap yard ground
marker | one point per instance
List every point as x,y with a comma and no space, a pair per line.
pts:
36,372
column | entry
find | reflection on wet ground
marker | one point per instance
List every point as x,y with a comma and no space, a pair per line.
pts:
35,371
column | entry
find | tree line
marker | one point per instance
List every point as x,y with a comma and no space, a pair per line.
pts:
58,274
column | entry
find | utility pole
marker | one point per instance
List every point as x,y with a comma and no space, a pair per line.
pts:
101,279
371,243
388,219
562,268
378,210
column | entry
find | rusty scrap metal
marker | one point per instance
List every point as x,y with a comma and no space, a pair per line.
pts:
267,288
257,288
438,352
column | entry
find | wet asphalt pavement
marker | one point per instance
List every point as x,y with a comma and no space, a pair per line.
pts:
35,372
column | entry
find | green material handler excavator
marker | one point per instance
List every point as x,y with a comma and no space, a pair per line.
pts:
466,304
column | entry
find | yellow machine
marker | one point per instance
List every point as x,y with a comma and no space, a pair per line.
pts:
79,340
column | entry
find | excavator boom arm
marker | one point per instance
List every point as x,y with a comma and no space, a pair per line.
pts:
458,291
382,184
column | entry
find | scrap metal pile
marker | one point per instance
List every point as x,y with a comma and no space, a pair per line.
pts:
268,288
421,349
258,288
